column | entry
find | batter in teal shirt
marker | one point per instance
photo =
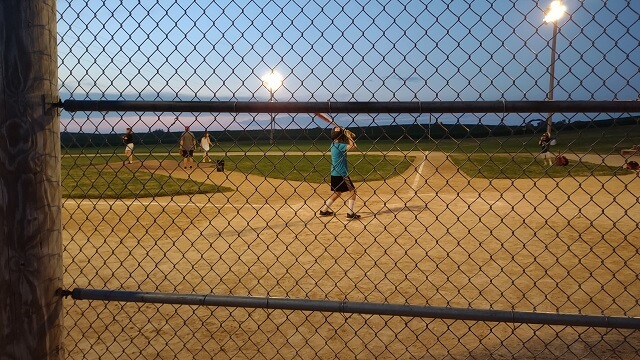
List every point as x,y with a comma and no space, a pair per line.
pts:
339,159
340,181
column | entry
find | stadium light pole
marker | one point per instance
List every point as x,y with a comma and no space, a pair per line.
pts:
555,12
272,82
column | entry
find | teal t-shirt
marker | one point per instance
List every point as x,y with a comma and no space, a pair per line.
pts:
339,159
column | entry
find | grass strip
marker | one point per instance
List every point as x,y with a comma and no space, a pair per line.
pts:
317,168
523,166
84,178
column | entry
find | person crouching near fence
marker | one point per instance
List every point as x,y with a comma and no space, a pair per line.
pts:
545,143
340,180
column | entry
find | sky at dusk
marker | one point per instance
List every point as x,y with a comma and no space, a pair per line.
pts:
429,50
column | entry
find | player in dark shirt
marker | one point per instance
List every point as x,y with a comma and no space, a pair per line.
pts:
127,139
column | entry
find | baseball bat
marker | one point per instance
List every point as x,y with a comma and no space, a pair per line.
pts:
326,118
173,123
329,120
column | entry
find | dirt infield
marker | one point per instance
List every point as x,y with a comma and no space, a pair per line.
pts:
429,236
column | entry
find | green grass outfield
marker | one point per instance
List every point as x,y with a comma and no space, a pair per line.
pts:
87,177
523,166
317,168
84,174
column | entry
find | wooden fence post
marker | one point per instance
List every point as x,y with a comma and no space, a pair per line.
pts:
30,204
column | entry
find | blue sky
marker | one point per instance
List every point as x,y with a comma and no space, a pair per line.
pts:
344,51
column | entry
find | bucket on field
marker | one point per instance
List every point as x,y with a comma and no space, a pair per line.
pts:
220,165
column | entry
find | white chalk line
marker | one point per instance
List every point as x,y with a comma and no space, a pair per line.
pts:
178,204
303,207
416,180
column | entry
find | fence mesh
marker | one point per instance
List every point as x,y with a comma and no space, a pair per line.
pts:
458,210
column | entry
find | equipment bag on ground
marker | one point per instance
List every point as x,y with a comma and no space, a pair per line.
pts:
562,160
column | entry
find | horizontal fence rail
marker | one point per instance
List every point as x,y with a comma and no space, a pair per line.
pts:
351,307
418,107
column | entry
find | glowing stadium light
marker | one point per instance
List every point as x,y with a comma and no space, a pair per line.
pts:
556,11
272,82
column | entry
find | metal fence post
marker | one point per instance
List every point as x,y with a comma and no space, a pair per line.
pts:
30,202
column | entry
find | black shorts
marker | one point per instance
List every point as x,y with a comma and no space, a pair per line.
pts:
341,184
187,153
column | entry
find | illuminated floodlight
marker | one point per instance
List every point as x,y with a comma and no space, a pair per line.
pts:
272,81
556,11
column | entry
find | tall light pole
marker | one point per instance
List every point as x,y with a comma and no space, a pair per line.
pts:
272,82
555,12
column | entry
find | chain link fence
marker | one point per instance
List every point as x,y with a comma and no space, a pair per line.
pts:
461,210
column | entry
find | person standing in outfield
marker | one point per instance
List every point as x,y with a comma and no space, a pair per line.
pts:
187,145
205,144
340,181
127,139
545,142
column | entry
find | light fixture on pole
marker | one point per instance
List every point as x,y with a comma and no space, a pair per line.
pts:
556,11
272,82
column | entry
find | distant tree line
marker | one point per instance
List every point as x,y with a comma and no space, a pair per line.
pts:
389,132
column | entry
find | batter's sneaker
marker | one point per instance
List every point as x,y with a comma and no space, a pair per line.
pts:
326,213
353,216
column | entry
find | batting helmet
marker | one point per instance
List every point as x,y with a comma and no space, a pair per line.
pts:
337,134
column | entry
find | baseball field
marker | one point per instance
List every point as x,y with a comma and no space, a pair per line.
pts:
438,228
